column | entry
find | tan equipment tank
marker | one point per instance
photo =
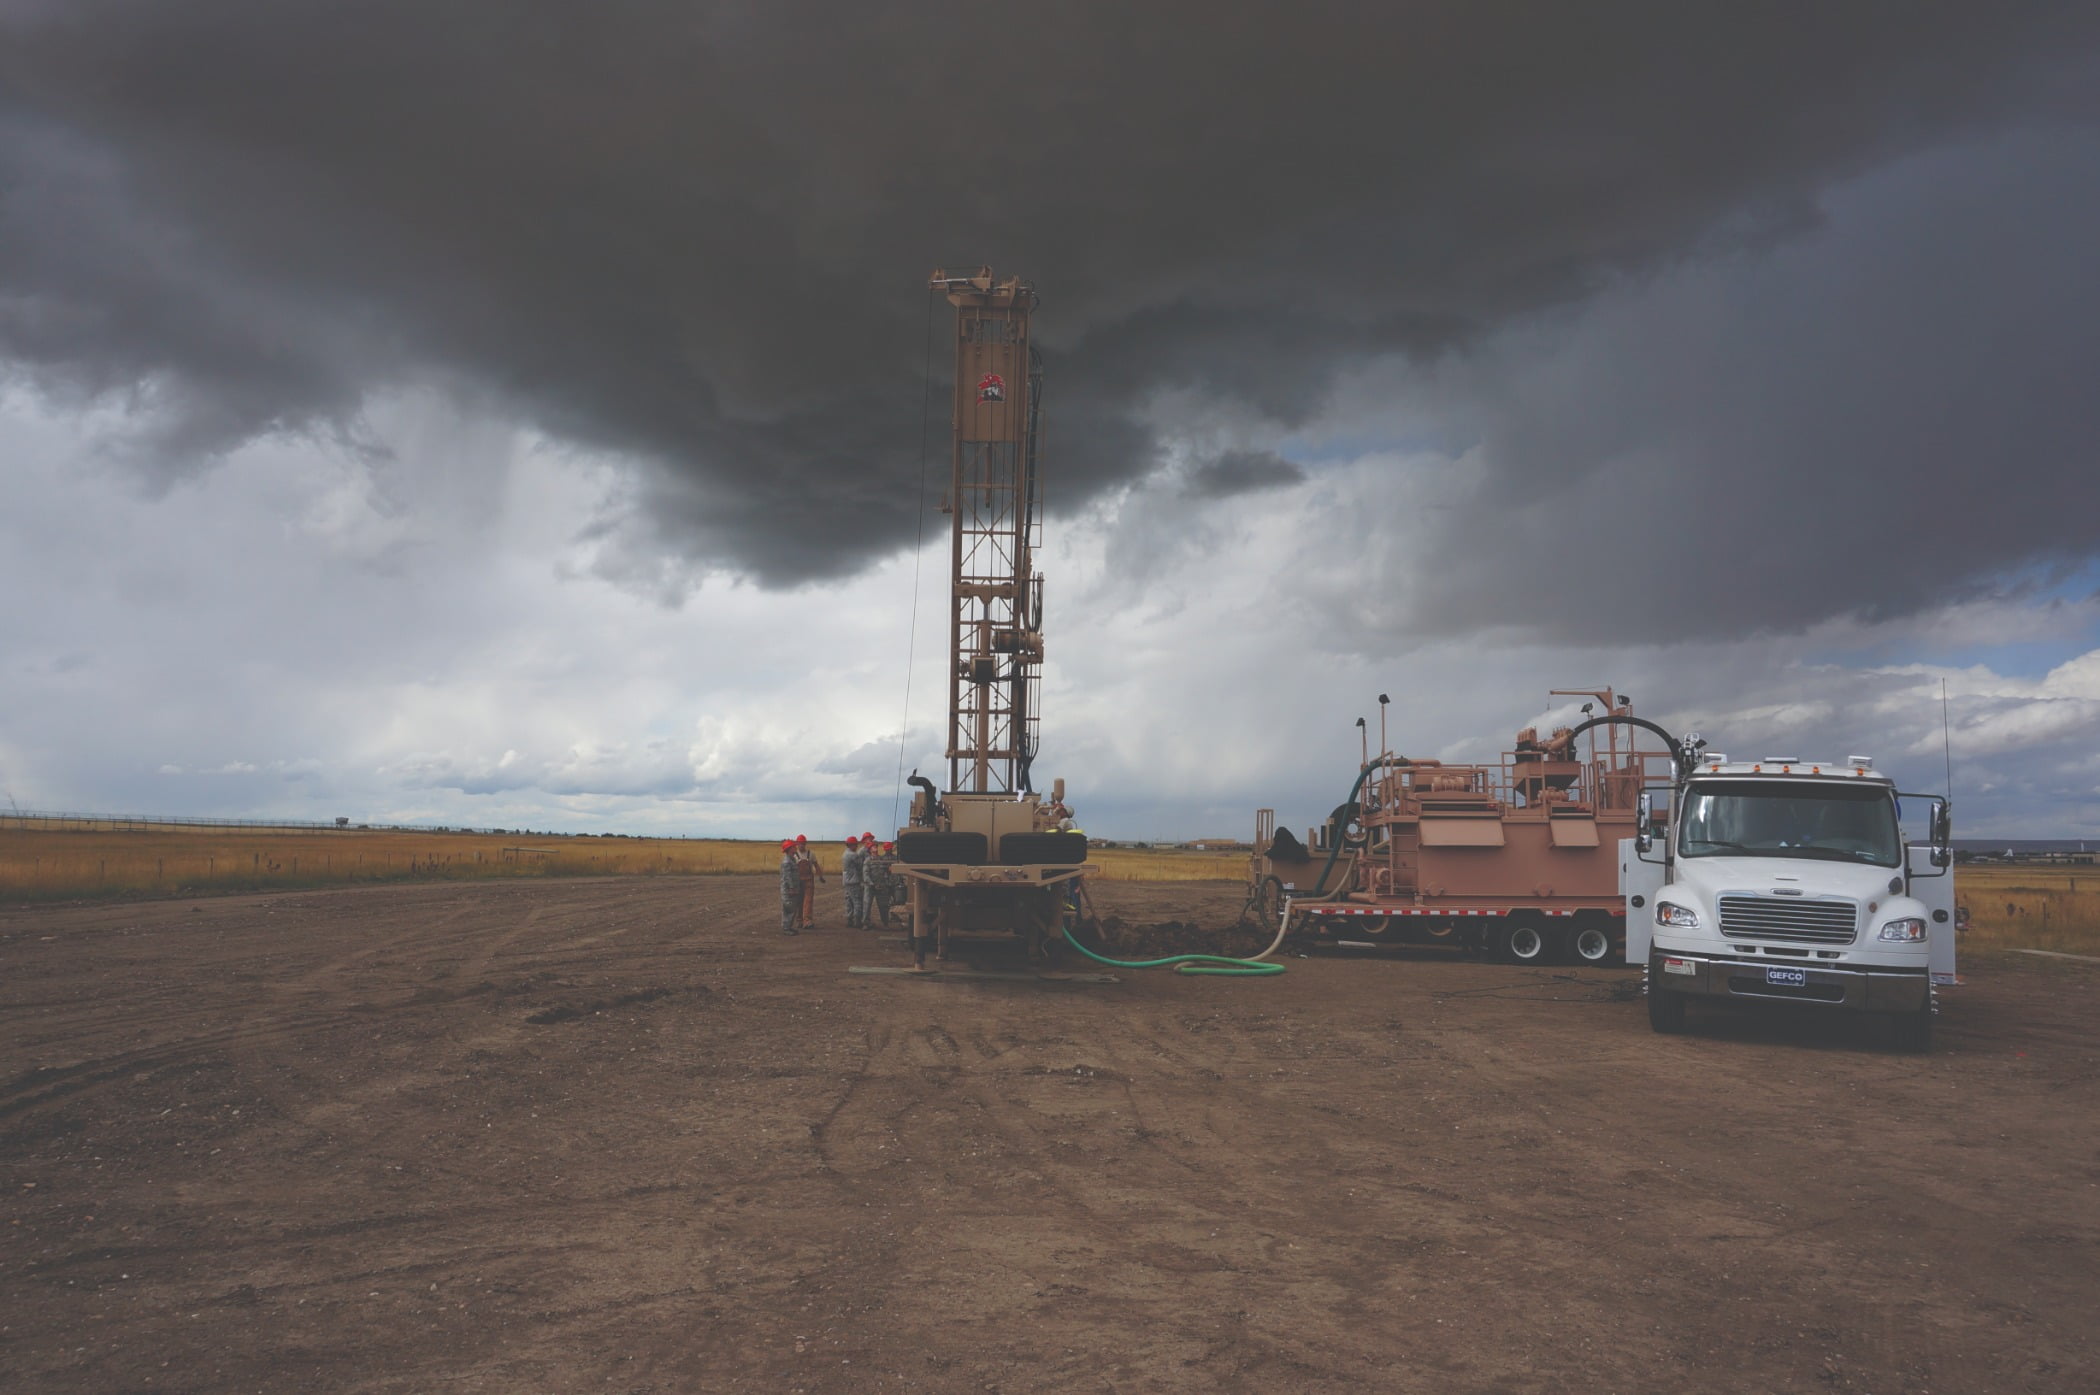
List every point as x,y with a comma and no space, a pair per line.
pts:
1517,857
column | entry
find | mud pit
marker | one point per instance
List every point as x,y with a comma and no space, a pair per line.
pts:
625,1136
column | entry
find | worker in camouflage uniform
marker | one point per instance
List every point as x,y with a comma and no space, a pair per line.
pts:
790,887
850,880
883,882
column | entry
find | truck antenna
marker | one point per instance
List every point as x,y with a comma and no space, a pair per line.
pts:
1947,740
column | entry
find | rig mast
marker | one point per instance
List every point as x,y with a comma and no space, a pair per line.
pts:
994,499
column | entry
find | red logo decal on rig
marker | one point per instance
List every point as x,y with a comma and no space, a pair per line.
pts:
991,388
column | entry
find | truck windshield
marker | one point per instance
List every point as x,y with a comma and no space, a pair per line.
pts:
1790,818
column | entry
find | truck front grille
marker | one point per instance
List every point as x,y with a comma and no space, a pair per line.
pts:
1777,918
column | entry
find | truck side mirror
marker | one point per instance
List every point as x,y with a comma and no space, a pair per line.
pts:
1942,833
1644,822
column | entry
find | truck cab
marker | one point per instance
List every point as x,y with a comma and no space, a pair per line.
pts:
1790,881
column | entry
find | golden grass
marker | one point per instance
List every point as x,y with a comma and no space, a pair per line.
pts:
39,861
2011,907
1166,865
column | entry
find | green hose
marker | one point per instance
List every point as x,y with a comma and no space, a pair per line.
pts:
1219,964
1223,966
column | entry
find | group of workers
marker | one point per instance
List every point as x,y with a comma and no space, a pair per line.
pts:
867,873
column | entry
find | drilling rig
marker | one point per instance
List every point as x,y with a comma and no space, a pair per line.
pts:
988,855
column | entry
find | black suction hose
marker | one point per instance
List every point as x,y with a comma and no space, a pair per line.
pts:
1685,756
1362,775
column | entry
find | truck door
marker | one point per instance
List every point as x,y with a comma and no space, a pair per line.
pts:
1935,887
1639,881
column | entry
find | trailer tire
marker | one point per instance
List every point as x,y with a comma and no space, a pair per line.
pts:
1590,942
1520,939
1267,902
1528,941
967,849
1373,925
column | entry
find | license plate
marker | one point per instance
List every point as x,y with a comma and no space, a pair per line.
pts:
1787,978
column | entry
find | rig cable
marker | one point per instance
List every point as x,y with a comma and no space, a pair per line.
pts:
918,556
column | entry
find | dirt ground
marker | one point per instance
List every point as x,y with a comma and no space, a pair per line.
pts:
623,1135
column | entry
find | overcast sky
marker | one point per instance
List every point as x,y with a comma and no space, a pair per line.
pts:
509,413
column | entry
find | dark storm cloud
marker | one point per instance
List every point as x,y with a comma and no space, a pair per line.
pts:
1242,472
1896,412
693,232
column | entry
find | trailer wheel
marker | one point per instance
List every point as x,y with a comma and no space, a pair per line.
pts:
1528,942
1267,902
1520,939
1590,942
1373,925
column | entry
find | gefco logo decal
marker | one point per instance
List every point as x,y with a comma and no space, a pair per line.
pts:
991,388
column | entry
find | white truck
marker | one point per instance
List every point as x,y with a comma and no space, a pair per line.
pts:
1790,881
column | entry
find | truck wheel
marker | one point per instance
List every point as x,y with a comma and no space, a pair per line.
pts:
1591,944
1665,1009
1913,1030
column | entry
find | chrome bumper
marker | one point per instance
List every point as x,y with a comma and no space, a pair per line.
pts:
1855,990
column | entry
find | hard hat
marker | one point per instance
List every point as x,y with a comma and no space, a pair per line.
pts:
852,841
802,837
787,845
867,837
889,847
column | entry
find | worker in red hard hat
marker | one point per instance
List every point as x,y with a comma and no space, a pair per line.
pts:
790,887
809,873
850,867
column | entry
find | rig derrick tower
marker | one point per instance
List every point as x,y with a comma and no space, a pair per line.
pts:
988,855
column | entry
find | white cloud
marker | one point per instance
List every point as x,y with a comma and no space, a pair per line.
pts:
303,633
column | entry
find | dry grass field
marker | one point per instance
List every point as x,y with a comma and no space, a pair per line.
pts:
2011,907
41,861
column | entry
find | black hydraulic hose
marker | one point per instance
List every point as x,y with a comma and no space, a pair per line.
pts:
1685,757
1362,775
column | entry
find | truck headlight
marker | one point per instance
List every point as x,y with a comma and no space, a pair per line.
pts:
1908,930
1670,913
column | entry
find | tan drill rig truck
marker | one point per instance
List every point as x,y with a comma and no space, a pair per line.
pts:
989,856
